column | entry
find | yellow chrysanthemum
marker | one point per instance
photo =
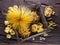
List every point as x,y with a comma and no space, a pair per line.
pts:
19,16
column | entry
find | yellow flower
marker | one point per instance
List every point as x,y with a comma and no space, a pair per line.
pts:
51,23
48,11
40,29
42,38
40,24
24,32
7,29
34,27
35,16
37,28
19,17
45,34
8,36
12,32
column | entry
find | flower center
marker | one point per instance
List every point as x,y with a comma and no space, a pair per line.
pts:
19,19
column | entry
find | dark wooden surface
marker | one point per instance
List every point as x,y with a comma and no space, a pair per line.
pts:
55,38
27,44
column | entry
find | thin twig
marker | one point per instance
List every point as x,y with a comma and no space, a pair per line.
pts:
17,35
32,36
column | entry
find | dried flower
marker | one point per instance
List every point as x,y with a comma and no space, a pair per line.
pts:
37,28
8,36
34,28
7,29
19,17
51,23
35,16
6,22
24,32
42,38
12,32
40,29
48,11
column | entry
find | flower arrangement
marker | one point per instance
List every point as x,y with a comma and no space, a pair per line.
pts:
22,19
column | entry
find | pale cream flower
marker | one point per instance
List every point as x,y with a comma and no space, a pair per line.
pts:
6,22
